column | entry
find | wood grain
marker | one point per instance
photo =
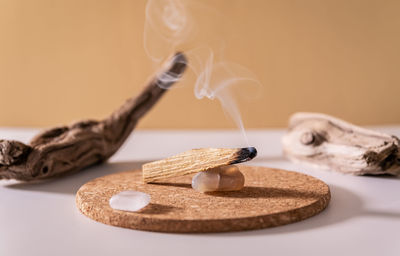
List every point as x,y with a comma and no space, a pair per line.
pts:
195,160
271,197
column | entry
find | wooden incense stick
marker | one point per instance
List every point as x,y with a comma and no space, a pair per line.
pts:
195,160
71,148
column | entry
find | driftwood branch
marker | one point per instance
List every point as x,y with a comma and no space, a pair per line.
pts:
71,148
332,143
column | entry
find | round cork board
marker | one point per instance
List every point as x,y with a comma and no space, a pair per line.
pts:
271,197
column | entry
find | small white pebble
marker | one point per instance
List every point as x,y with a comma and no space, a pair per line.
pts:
129,200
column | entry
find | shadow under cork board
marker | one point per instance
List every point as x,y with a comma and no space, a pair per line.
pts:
271,197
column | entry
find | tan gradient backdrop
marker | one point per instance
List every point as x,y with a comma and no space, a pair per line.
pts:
62,60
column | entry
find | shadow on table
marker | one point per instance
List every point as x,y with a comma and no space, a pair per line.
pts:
344,205
69,184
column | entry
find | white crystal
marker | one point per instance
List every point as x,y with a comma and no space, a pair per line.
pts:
224,178
129,200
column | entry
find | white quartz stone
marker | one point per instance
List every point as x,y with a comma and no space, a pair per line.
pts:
224,178
129,200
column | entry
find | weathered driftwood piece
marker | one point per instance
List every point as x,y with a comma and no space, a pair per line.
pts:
195,160
71,148
332,143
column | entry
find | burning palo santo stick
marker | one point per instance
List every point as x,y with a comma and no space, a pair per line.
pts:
195,160
71,148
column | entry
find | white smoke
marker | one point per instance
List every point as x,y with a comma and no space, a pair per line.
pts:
169,25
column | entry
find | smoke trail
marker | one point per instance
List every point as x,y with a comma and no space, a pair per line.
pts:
166,26
169,25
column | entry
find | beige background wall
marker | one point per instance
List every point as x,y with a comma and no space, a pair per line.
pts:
62,60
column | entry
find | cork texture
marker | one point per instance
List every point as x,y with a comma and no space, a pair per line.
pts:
271,197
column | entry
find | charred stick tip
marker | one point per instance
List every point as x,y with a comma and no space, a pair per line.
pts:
244,155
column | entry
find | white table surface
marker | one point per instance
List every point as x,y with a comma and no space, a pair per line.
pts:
363,217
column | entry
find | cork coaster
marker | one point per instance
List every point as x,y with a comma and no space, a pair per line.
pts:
271,197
